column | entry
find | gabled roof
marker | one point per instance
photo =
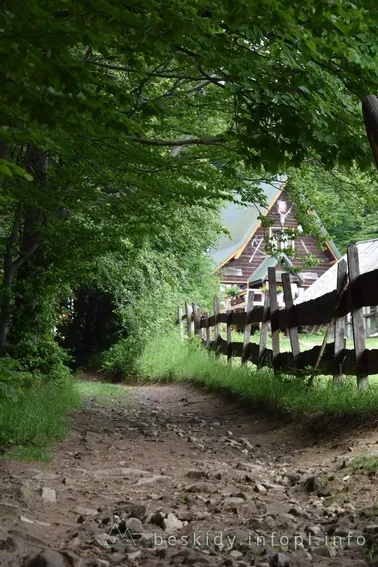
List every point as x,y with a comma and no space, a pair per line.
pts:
368,261
260,275
242,222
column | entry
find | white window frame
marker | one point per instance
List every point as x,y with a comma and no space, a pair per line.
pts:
281,244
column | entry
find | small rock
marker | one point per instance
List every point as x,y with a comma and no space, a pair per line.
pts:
172,523
371,529
158,519
85,511
232,502
312,484
324,551
26,520
134,525
134,510
196,474
260,488
314,530
202,487
270,522
152,479
235,554
293,478
48,494
134,555
46,476
281,560
46,558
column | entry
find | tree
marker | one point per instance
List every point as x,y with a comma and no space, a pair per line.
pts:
346,202
114,114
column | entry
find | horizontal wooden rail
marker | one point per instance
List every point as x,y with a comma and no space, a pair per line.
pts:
285,362
318,311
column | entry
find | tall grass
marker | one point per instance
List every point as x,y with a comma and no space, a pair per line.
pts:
35,418
172,359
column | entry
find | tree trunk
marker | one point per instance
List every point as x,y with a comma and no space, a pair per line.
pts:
5,306
35,163
6,288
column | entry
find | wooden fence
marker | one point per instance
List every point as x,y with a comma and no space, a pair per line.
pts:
353,293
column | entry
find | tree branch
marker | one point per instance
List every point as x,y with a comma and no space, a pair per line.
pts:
188,142
151,73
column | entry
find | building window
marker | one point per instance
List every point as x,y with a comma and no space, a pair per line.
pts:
232,272
281,239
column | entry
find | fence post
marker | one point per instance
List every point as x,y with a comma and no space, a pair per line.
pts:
247,328
195,319
217,334
291,315
179,317
367,321
264,330
199,320
216,319
189,318
357,318
229,337
274,313
340,324
207,328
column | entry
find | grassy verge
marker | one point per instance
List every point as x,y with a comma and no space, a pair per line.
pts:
102,391
368,463
35,418
30,422
172,359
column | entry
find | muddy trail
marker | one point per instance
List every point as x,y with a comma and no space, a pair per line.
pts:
173,475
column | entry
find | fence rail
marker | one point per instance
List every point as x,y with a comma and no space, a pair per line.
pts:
353,293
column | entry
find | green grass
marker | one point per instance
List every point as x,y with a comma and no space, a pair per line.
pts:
306,342
171,359
30,422
368,463
101,390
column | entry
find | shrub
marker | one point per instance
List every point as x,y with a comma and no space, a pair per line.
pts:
42,359
121,359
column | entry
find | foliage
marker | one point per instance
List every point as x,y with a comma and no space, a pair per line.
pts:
11,381
347,203
123,126
43,359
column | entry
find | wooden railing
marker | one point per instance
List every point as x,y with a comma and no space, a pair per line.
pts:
353,293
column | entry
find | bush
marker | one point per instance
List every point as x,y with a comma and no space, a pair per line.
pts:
121,359
12,380
42,360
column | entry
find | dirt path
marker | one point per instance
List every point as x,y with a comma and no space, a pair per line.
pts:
187,477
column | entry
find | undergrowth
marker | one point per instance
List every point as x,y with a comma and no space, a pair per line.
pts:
32,418
169,358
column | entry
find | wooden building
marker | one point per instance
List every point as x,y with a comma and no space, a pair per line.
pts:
243,257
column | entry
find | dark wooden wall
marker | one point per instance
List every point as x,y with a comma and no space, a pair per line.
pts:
324,256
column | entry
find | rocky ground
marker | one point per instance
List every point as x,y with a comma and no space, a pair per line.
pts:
173,475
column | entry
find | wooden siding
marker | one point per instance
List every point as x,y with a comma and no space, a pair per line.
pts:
302,243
